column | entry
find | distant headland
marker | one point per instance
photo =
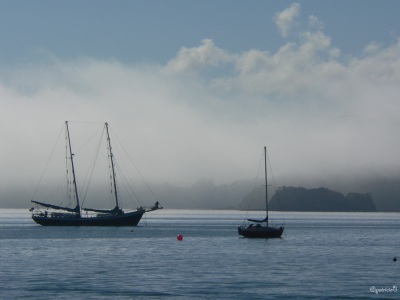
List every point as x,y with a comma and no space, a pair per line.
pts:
317,199
380,195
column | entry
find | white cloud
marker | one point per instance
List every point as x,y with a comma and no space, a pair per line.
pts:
284,20
316,113
207,54
315,23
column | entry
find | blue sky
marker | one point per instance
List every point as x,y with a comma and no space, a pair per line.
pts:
153,31
199,87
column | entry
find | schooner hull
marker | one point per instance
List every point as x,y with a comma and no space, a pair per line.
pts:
260,232
74,214
126,219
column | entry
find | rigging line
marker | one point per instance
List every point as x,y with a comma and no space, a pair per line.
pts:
275,185
92,166
127,180
145,219
88,141
256,182
131,191
48,161
86,122
123,148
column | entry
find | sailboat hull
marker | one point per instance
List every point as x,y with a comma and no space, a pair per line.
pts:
125,219
260,232
257,230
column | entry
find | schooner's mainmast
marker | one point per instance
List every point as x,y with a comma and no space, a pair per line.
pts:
112,167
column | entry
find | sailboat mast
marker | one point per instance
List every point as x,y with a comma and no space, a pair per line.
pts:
73,168
266,183
112,166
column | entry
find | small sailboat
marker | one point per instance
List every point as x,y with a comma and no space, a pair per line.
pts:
261,228
74,214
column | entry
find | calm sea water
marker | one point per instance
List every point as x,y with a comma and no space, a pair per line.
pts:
321,256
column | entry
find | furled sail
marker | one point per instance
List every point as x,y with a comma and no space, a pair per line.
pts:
258,221
115,210
75,210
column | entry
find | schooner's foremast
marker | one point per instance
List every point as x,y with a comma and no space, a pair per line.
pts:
78,207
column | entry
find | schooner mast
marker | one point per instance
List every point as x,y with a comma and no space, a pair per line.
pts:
266,185
112,168
78,208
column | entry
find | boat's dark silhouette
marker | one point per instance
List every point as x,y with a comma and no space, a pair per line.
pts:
77,216
261,228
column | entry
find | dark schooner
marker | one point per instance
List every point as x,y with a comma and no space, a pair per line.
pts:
260,228
78,216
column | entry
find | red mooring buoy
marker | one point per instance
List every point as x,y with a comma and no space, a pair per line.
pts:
179,237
